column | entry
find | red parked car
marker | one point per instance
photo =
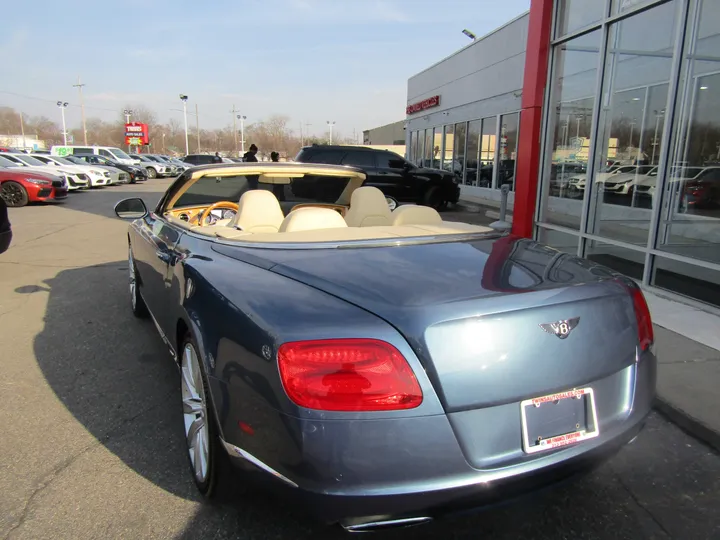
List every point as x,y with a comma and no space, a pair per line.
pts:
17,188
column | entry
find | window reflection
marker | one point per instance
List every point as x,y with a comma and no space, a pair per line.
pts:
690,215
575,14
412,156
428,155
447,162
459,158
473,154
508,149
629,145
574,81
437,147
488,143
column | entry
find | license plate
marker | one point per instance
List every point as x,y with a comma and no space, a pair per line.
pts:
557,420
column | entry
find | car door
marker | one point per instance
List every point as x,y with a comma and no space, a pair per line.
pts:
396,176
155,257
365,160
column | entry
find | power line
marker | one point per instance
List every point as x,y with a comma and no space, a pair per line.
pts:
54,100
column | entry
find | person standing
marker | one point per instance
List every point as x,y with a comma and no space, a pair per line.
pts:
250,156
217,158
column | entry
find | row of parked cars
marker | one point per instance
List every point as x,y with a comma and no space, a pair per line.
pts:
42,176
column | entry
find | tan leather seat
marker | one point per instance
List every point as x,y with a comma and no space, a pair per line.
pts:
312,219
368,208
416,215
258,212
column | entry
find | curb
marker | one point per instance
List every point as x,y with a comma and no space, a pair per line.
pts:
688,423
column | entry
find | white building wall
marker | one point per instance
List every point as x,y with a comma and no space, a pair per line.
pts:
482,79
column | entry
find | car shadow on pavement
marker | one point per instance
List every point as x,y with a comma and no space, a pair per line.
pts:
116,377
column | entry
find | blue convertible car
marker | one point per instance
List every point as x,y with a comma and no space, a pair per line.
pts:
382,367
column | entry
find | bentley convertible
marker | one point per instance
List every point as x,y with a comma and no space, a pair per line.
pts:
381,367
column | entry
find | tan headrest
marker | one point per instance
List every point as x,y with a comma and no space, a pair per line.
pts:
416,215
312,219
258,211
368,208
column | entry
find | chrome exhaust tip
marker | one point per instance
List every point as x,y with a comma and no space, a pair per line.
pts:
379,524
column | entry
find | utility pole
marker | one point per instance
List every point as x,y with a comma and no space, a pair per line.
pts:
184,99
22,130
242,132
302,142
331,124
197,126
79,86
63,105
235,129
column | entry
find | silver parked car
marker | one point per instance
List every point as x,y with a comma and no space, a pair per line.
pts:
381,368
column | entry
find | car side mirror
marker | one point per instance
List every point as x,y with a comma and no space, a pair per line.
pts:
133,208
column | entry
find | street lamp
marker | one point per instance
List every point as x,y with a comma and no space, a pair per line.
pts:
184,99
242,132
163,140
469,34
63,105
331,124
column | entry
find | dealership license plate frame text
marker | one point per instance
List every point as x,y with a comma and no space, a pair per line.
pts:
566,439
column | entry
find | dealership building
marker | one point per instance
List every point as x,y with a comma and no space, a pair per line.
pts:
603,118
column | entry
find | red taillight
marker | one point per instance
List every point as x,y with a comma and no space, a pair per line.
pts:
348,375
646,337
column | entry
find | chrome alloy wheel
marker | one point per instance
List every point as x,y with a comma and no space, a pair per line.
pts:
195,413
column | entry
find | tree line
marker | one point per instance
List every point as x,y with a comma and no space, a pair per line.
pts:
270,135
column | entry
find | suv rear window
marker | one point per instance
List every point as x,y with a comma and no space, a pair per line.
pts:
310,155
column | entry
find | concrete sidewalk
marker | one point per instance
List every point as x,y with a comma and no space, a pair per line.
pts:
687,344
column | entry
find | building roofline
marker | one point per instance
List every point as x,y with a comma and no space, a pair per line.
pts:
473,42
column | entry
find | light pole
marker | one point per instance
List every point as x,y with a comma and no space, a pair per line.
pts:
163,140
184,99
234,129
331,124
63,105
128,113
658,116
242,132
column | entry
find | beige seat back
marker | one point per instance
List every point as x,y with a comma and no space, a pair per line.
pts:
312,219
258,212
368,208
416,215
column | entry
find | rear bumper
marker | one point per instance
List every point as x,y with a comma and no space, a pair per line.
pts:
418,467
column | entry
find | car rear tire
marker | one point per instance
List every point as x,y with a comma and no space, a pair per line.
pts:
14,194
152,173
205,453
139,308
433,198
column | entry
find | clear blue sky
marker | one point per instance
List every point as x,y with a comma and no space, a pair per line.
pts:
313,60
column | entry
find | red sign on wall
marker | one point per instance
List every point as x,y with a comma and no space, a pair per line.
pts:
137,134
428,103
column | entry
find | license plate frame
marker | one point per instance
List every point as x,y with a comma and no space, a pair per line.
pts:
564,439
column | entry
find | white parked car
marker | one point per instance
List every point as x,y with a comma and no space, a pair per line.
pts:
96,175
74,180
154,168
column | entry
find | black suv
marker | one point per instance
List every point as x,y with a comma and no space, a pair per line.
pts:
396,177
199,159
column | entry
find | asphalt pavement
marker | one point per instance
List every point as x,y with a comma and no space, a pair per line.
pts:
92,441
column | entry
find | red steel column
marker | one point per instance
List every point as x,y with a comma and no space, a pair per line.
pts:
534,82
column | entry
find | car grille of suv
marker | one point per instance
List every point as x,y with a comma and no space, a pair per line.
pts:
82,176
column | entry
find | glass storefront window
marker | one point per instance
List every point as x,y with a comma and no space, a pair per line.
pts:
575,14
412,157
619,6
428,155
690,212
420,151
508,149
437,147
449,148
574,81
559,240
687,279
629,144
473,153
488,144
459,158
626,261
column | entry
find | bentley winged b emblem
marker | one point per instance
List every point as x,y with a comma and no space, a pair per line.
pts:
561,329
